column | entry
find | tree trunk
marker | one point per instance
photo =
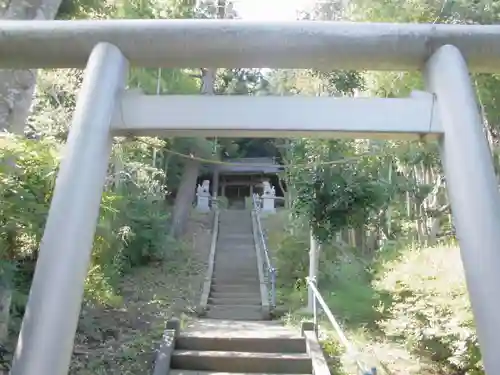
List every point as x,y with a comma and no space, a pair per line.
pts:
184,198
186,190
17,86
5,300
6,286
185,193
359,240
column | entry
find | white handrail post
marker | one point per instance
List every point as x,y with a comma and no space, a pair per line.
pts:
314,250
315,314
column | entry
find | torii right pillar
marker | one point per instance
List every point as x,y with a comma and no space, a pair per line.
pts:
473,193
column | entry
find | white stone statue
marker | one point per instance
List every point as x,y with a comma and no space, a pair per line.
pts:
266,191
204,189
203,196
268,195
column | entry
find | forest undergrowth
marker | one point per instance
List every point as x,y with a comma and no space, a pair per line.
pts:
123,339
406,309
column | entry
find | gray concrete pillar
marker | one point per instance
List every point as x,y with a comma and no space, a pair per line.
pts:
46,339
473,193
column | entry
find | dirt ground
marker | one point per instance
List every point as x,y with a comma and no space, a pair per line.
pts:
123,340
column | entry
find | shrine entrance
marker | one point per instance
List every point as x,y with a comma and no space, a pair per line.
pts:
447,112
236,196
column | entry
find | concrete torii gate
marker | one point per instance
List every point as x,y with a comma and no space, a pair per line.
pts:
448,111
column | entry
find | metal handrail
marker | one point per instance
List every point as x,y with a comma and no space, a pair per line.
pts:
350,349
270,269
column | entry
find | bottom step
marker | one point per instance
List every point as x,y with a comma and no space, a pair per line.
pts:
297,363
190,372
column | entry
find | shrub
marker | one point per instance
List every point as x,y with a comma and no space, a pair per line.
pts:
430,311
131,230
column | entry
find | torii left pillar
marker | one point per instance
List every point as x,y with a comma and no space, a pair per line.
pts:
47,334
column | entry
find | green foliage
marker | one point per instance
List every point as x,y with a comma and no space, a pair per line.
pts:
336,199
132,224
81,9
27,175
416,297
340,82
163,81
241,82
430,310
333,352
333,197
345,282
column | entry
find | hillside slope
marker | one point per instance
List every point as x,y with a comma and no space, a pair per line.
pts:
407,307
122,339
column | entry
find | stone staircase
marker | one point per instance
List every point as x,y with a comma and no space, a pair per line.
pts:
235,339
235,287
228,347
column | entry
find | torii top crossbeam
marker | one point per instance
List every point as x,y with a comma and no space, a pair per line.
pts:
236,43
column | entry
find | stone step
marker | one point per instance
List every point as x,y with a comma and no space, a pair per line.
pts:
229,273
251,362
246,317
231,295
189,372
233,234
235,288
232,254
235,312
235,229
236,263
222,278
235,254
246,268
238,271
238,225
228,329
231,257
235,280
236,242
234,301
236,222
241,344
230,235
235,248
